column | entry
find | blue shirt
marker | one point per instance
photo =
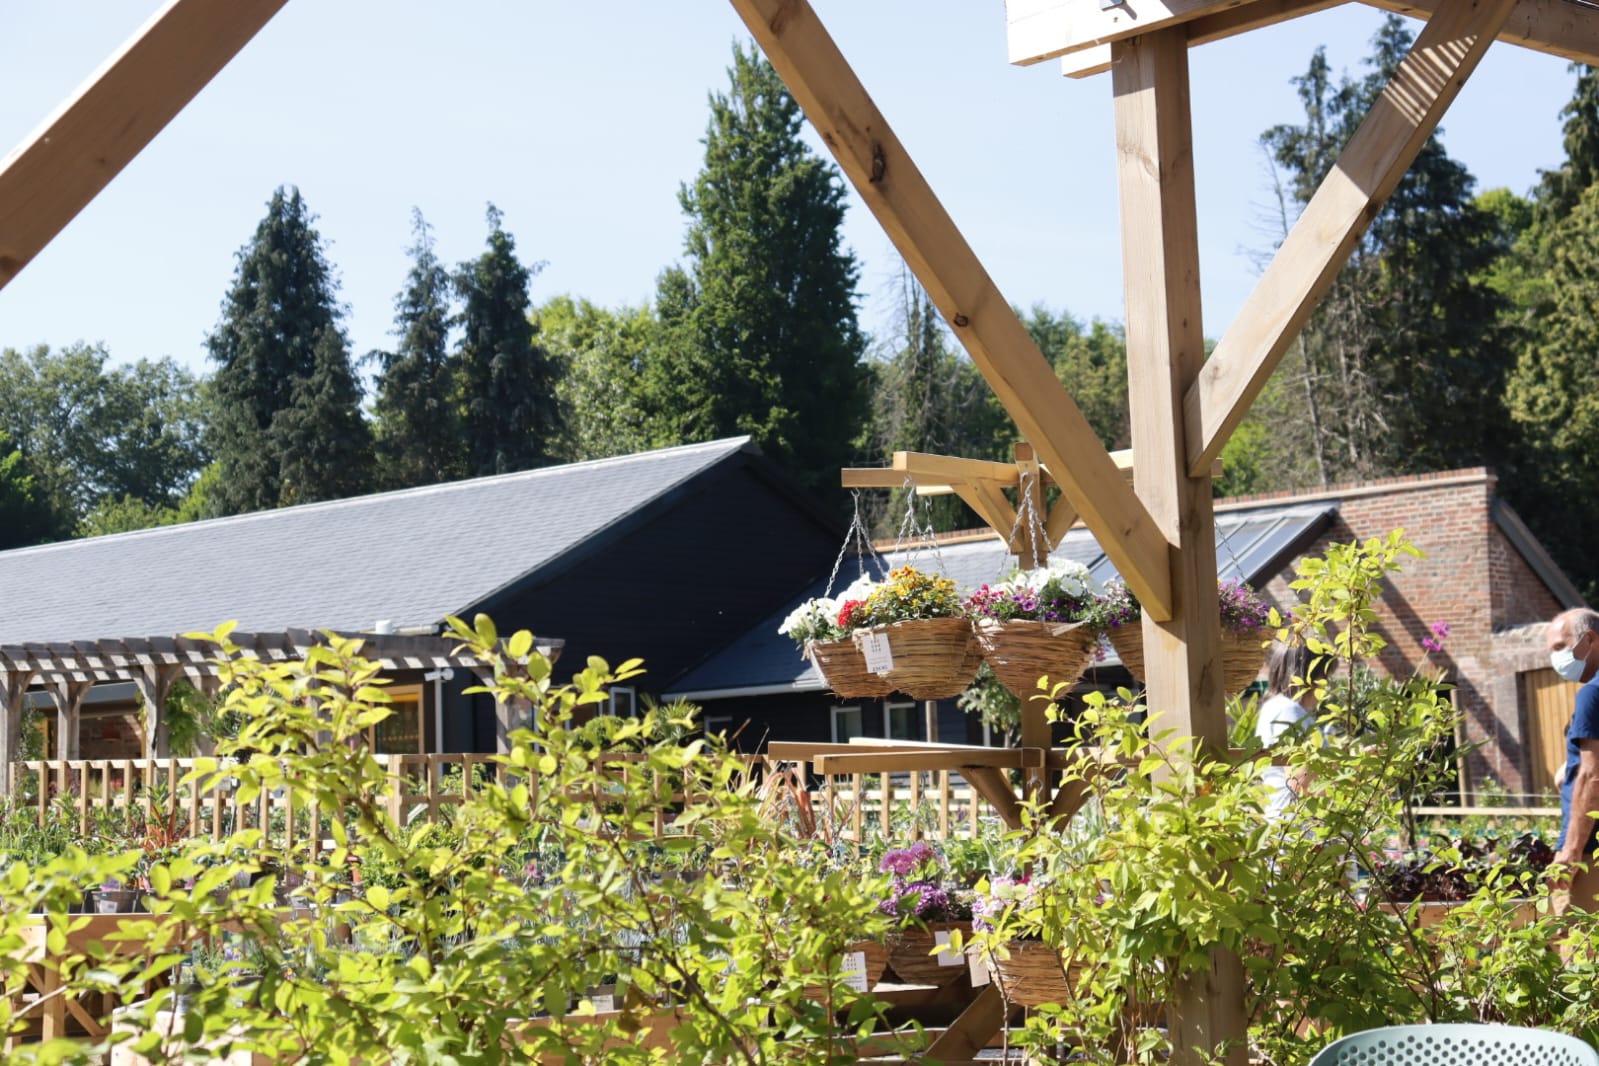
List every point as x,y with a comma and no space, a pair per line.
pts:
1584,726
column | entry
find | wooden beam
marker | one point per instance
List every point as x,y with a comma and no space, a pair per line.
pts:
1557,27
1368,169
1165,350
14,684
969,1034
51,176
1036,30
991,506
995,787
154,681
1203,30
895,191
68,696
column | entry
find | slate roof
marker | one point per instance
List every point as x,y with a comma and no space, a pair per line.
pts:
408,558
1251,545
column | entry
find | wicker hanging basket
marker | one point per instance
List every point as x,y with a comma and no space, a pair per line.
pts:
843,668
1242,655
876,962
1020,652
910,954
1034,974
934,658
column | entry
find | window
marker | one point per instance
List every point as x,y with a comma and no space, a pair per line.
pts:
846,724
899,721
624,701
401,732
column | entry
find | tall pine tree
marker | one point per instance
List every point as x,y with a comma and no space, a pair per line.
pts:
418,429
760,325
286,419
507,379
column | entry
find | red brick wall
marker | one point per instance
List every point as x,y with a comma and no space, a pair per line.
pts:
1471,578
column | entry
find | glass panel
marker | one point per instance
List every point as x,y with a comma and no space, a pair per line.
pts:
901,724
401,732
846,723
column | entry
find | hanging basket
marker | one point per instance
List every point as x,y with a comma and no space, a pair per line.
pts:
843,669
910,954
934,658
1034,974
1242,657
1242,654
1020,652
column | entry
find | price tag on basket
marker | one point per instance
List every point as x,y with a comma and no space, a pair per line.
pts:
854,970
978,968
879,656
947,955
603,1004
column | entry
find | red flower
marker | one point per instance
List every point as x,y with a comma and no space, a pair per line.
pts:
847,610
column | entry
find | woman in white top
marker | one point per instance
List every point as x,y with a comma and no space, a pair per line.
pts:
1289,709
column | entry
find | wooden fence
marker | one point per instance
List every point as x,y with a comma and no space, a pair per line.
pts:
862,807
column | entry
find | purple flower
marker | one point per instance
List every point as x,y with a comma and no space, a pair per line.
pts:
901,861
1440,630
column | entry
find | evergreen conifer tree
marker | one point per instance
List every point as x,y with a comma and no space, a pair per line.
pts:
761,335
418,426
507,379
285,400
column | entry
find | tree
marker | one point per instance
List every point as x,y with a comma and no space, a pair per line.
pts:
507,379
93,434
418,431
761,335
26,517
1560,189
602,354
283,364
1091,362
1402,365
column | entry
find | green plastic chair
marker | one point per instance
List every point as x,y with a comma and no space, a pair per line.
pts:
1456,1045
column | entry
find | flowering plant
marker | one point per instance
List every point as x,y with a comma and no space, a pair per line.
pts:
818,618
1059,592
916,893
1242,609
907,594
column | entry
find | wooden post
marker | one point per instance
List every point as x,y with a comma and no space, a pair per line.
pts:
1165,350
154,681
68,696
13,694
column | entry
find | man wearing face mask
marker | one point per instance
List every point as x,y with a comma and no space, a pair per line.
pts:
1574,654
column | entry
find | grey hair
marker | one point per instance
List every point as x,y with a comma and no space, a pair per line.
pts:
1582,619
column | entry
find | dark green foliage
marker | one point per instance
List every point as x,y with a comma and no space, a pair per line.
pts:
418,430
760,326
1092,363
26,517
1401,367
286,414
1561,189
507,379
94,436
606,409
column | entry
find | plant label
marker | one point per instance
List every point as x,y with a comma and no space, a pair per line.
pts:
879,656
947,955
978,969
854,970
604,1004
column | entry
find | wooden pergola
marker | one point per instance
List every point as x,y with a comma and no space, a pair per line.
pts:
1184,406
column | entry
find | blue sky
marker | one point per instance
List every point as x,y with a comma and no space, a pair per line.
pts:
580,120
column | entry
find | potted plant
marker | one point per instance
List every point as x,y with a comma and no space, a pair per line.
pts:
925,904
814,626
933,655
1246,625
1030,626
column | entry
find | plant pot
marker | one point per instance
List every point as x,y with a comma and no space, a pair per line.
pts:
1128,640
1019,652
934,658
1033,974
117,900
911,957
843,669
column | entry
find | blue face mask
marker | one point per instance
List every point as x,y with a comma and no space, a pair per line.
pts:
1567,665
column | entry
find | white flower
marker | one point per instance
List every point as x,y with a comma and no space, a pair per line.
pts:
858,589
809,615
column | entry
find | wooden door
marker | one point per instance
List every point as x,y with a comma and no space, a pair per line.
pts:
1547,701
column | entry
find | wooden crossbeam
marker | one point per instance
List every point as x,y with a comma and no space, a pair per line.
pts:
75,153
1036,30
1368,169
895,191
1205,29
1564,28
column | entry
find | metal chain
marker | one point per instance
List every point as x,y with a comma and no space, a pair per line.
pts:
857,537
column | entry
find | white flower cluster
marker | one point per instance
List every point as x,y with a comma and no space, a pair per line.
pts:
816,616
1072,579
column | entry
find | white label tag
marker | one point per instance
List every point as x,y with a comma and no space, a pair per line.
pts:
879,656
854,970
946,955
604,1004
977,967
